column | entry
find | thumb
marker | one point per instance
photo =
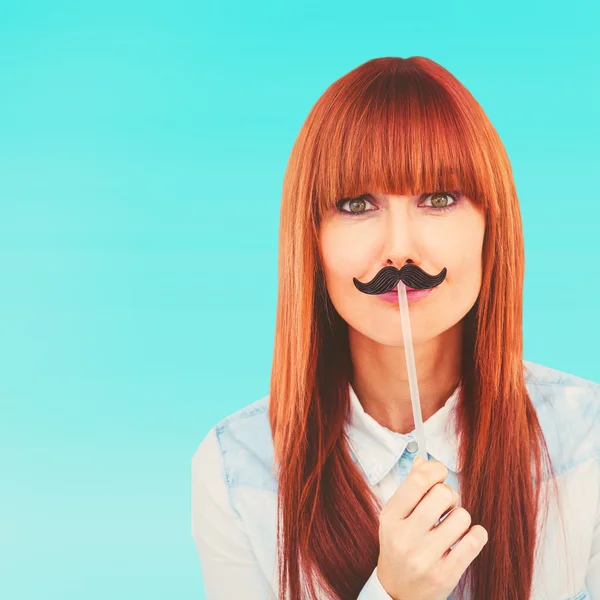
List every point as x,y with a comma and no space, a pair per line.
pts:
417,461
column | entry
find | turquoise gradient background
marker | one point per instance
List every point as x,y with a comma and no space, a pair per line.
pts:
142,150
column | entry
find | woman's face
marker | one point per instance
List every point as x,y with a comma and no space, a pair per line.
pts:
433,231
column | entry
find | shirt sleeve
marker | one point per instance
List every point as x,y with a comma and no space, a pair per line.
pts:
592,577
228,564
373,590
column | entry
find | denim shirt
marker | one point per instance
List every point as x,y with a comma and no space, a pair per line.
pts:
234,489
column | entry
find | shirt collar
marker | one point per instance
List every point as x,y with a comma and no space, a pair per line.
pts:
378,448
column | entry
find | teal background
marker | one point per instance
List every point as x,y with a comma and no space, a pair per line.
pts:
142,150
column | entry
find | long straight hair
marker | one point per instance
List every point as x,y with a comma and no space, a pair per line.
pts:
398,126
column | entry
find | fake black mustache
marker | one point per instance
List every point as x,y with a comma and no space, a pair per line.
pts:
412,276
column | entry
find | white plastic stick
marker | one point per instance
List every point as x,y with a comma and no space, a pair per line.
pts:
412,371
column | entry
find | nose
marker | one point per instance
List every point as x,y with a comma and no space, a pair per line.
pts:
399,236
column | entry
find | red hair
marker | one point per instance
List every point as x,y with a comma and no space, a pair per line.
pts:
399,126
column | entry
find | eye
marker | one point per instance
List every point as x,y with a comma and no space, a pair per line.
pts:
439,200
356,205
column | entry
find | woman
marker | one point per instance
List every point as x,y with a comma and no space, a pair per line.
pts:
396,165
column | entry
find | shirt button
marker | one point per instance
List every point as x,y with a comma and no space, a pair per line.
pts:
412,446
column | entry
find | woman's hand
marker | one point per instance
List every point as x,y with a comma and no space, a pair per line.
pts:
415,560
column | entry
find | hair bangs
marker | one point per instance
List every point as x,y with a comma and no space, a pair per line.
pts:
405,133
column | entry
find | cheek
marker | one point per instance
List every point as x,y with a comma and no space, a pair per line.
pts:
467,260
343,256
464,265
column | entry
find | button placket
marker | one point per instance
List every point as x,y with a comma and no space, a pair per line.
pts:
412,446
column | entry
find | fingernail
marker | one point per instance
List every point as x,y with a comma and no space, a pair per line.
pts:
417,461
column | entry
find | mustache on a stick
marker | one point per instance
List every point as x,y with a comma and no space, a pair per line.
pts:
411,275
